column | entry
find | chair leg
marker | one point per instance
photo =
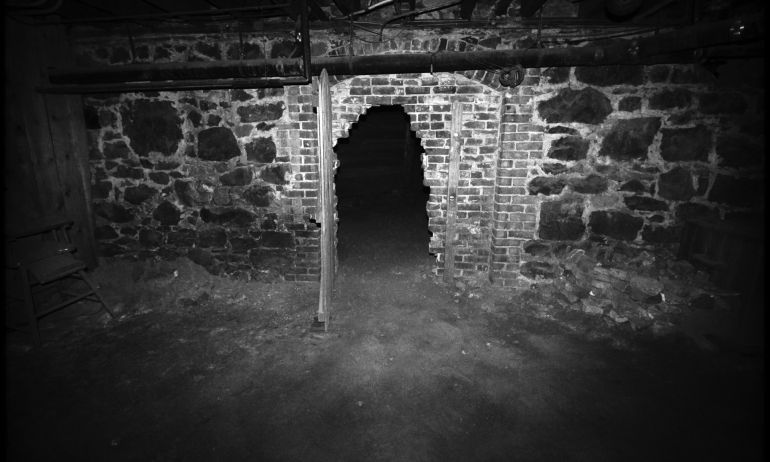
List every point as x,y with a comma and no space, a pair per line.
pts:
30,304
96,292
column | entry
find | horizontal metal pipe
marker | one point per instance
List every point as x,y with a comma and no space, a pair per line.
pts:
673,47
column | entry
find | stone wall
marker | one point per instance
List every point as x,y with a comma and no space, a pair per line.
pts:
209,175
572,158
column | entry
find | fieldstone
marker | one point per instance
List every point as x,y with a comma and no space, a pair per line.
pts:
585,106
116,150
535,269
661,234
201,257
195,118
167,214
261,150
739,151
235,216
167,165
275,239
159,177
213,120
214,237
270,221
182,238
105,232
591,184
546,186
259,196
537,248
138,194
101,190
242,244
238,94
741,192
243,130
113,212
188,194
617,225
630,139
691,211
260,112
722,103
554,168
676,184
569,148
129,172
556,74
685,144
644,203
633,185
221,196
150,237
275,174
646,285
561,220
240,176
595,305
245,51
152,126
630,104
669,99
605,76
217,144
265,127
562,129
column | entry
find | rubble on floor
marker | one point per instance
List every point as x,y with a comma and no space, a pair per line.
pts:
640,288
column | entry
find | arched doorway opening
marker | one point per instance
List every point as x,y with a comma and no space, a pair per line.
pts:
381,199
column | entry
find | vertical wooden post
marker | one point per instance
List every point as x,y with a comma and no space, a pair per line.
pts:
452,181
326,198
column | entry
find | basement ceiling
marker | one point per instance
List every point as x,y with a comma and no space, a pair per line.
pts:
144,12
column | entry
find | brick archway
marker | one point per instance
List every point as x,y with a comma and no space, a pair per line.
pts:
427,100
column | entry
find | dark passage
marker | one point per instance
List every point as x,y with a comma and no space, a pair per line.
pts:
380,192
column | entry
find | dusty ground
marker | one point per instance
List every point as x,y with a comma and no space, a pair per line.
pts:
199,368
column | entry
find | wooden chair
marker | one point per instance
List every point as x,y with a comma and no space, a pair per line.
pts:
44,257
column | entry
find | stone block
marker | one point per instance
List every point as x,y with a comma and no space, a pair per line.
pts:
561,220
617,225
212,237
585,106
150,238
240,176
676,184
259,196
739,151
167,214
661,234
275,239
233,216
537,248
670,99
591,184
138,194
630,104
217,144
685,144
113,212
569,148
645,203
152,126
630,139
159,177
260,112
739,192
105,232
539,269
182,238
553,168
556,75
276,174
116,150
633,185
546,186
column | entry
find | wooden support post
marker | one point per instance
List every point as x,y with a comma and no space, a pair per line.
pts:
452,180
326,199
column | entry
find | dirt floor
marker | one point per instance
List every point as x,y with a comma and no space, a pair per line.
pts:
201,368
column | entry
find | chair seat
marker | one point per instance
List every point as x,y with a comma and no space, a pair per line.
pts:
52,268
